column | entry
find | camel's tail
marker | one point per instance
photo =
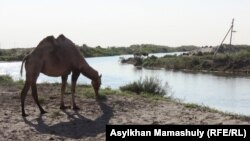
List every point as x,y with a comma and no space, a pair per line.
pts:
24,59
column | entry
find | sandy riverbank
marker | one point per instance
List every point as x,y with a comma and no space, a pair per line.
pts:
89,122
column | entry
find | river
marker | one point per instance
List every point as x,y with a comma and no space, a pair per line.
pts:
228,93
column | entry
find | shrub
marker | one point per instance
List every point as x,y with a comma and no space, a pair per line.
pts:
6,79
150,85
241,55
195,61
153,57
199,53
222,58
138,61
122,60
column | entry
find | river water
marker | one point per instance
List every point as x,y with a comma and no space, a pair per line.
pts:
229,93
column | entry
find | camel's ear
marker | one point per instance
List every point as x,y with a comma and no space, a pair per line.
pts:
100,76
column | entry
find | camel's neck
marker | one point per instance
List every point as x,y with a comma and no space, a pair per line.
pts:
89,72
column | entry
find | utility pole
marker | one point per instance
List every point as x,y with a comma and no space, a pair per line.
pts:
232,30
231,37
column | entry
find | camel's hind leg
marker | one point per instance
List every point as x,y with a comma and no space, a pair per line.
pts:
35,96
75,76
64,83
23,96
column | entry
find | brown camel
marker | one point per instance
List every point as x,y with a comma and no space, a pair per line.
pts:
56,57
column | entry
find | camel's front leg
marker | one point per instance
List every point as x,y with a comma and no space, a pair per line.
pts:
75,76
64,83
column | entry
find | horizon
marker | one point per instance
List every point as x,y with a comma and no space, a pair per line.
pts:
136,44
124,23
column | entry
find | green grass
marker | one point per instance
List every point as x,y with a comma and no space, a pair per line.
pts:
156,97
88,92
149,85
200,107
6,80
209,109
191,105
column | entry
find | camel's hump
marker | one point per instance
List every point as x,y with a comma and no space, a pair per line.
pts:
61,36
50,38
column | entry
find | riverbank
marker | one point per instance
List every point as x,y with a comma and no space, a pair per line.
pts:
114,107
18,54
238,62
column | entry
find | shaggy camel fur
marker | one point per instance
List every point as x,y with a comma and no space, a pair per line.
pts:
56,57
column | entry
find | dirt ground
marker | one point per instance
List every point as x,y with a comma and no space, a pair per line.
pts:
89,122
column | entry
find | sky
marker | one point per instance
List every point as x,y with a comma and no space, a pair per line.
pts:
24,23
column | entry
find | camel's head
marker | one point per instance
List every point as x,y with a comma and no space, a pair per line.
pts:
96,84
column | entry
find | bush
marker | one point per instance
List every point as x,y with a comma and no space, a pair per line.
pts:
195,61
138,61
153,57
241,55
6,79
150,85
